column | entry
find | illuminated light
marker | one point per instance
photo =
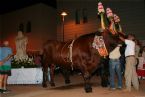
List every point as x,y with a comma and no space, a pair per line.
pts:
64,14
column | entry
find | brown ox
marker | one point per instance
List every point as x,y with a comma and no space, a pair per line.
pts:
84,56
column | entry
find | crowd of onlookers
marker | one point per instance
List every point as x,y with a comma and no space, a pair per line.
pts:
127,62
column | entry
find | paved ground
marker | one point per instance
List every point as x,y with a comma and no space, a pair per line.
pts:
75,89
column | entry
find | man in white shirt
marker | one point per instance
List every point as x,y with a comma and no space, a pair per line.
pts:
130,68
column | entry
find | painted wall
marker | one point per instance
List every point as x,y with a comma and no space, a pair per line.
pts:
46,22
0,24
43,25
0,30
71,29
143,42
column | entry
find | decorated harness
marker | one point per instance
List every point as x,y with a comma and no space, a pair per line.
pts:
99,44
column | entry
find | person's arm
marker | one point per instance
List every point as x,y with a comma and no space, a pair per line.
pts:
7,58
121,33
121,38
1,63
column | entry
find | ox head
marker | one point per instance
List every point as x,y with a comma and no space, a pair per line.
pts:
111,40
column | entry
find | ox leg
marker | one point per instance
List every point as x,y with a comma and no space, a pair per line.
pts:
104,80
104,73
45,77
52,67
66,75
88,86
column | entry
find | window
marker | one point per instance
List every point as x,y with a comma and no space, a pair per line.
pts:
77,16
21,27
28,27
85,17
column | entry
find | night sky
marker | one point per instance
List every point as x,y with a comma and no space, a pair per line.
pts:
12,5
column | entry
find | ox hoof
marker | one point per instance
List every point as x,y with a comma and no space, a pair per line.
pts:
67,81
44,85
104,84
88,89
52,84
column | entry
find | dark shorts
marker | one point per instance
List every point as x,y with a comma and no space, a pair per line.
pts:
5,70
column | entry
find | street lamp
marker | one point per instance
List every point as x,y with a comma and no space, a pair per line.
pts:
63,14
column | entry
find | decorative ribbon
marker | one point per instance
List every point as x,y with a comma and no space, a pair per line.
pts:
70,53
100,8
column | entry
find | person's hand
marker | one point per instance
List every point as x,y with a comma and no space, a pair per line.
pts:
1,63
119,45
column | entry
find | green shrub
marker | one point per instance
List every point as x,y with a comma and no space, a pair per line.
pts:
26,63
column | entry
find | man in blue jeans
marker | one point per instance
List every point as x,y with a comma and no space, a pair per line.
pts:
115,67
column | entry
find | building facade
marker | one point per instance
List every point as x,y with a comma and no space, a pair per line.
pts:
131,13
38,23
41,22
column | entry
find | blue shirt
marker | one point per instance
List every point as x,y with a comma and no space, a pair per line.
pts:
0,53
4,52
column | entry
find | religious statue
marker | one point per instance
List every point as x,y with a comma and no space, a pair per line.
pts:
21,44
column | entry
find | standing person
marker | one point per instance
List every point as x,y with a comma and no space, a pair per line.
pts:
0,60
142,52
37,59
130,68
5,66
141,64
137,48
114,66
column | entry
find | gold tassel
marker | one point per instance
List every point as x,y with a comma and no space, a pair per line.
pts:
112,27
102,21
120,28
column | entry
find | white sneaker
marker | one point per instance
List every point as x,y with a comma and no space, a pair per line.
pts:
143,78
6,91
113,89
